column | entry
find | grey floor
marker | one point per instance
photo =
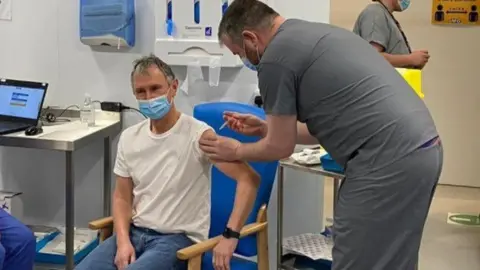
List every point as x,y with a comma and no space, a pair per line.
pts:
444,246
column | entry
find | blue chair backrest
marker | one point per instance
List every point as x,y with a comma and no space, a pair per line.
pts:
223,188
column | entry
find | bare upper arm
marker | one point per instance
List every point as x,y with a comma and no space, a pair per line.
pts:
237,170
124,187
377,46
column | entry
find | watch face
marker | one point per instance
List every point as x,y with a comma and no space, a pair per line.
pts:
229,233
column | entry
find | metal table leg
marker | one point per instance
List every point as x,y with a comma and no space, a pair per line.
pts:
69,210
280,216
336,187
107,177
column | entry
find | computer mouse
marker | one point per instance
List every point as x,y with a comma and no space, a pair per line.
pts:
33,130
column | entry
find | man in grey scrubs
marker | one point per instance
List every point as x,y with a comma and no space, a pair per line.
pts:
323,84
377,25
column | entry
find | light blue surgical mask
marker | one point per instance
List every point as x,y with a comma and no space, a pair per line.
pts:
404,4
247,62
155,108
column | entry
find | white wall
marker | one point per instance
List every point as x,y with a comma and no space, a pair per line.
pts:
41,43
451,93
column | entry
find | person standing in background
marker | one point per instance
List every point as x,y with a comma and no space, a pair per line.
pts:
377,25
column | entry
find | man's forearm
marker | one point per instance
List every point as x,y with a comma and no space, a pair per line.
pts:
245,195
304,136
261,150
399,61
122,215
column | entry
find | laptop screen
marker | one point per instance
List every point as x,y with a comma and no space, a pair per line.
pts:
21,102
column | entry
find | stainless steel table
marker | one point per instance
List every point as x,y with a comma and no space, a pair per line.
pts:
315,169
68,138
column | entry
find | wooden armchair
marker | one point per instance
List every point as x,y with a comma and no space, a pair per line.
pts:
195,253
254,241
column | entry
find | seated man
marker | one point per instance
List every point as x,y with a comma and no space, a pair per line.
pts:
161,201
17,244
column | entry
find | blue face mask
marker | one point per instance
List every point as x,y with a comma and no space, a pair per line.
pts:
247,62
155,108
404,4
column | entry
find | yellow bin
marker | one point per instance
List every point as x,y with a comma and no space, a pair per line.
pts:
414,78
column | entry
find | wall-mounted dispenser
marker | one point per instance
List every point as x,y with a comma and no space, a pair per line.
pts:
186,32
107,23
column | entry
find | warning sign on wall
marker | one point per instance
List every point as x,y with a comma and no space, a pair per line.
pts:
456,12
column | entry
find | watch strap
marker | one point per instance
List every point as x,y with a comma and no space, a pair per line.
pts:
229,233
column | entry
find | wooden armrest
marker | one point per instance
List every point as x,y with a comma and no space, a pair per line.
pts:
202,247
100,223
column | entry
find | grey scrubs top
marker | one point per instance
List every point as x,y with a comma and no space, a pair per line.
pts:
376,24
351,99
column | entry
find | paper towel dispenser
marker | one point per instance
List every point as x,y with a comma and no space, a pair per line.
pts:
107,23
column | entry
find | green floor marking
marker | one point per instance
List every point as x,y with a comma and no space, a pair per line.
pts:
464,219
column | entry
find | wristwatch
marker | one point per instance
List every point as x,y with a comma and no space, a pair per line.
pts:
229,233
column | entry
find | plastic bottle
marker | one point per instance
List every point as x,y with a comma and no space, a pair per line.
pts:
87,113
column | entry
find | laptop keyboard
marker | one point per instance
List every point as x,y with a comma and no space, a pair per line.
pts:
10,125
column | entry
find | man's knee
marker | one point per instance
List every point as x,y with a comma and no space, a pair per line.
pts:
102,257
27,238
25,243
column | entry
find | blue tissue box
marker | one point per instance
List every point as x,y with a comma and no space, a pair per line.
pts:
331,165
107,23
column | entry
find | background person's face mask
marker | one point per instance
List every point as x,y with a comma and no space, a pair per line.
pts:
404,4
155,108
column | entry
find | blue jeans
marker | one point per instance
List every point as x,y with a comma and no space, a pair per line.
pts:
153,251
17,244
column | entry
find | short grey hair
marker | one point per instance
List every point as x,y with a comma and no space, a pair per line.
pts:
141,65
245,15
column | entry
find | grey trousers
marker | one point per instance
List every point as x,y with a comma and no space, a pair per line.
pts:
379,217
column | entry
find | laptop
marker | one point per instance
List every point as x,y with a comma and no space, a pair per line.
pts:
20,104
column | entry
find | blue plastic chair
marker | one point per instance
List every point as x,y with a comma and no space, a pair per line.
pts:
254,242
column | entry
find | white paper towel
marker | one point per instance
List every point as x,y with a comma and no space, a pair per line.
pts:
214,71
194,73
6,10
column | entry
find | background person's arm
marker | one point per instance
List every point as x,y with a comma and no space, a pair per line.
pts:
399,61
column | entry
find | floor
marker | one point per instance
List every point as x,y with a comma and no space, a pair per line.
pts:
444,246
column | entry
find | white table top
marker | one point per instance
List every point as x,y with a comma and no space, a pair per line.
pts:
315,169
67,136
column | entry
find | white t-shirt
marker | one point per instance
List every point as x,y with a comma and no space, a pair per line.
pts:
171,177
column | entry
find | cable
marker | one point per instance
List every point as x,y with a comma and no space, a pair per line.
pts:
133,109
68,107
44,112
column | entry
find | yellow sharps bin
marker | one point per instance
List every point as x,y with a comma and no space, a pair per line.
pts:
414,78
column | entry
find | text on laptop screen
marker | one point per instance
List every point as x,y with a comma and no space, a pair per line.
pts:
20,102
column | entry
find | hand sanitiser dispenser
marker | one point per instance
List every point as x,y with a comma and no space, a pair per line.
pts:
107,23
